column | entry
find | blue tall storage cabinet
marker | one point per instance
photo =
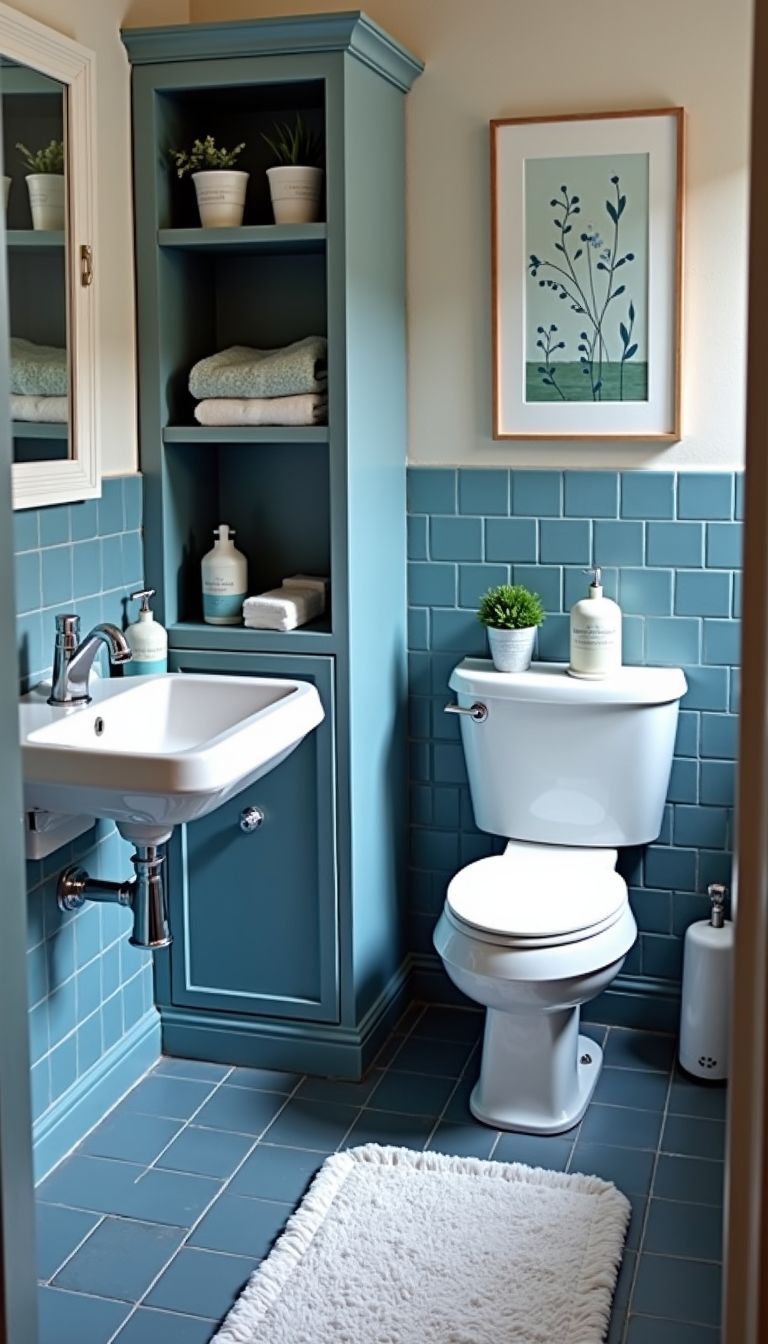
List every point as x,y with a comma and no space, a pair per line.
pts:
287,945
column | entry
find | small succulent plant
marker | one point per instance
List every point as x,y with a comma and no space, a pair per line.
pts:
294,146
510,606
47,160
204,155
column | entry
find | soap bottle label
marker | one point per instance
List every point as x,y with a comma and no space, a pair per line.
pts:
145,667
220,602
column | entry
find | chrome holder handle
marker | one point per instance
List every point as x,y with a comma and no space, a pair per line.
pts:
251,818
478,712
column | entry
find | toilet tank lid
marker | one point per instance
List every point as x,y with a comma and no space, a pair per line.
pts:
550,682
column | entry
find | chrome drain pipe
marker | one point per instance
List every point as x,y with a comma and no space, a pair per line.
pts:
144,894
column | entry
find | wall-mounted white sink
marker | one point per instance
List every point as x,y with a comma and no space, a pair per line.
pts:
151,752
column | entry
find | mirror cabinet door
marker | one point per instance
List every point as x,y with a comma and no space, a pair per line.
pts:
47,186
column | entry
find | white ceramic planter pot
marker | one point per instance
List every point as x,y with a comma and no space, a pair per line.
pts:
46,200
512,650
6,190
220,197
295,194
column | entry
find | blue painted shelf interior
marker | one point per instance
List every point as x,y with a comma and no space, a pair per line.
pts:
34,429
254,434
39,240
270,239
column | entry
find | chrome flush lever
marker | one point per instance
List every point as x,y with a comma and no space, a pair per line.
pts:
477,711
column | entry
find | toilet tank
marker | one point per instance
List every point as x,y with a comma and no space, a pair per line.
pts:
563,761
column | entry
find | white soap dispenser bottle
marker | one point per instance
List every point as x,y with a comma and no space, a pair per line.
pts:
225,580
595,634
148,640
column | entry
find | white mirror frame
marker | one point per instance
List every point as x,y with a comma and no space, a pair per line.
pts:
79,477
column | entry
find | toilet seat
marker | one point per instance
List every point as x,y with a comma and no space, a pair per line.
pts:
537,896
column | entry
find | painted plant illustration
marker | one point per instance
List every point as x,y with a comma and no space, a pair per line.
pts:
586,308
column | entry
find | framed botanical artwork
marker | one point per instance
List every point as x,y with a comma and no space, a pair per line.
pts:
587,273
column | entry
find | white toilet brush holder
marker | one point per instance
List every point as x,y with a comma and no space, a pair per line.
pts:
706,1001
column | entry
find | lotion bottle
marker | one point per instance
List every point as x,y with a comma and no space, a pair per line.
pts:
225,580
148,640
595,634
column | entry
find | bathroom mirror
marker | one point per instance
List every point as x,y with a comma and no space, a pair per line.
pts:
46,105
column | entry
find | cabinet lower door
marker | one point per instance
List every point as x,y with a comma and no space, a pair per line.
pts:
254,914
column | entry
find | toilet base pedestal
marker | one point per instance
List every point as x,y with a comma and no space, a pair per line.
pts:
537,1073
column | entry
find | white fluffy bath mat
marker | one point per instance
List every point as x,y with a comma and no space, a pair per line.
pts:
391,1246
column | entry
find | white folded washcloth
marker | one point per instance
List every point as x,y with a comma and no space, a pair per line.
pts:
311,408
282,608
43,410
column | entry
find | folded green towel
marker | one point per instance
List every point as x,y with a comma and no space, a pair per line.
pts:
38,370
241,371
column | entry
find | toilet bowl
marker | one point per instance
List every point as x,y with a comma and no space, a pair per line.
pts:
537,931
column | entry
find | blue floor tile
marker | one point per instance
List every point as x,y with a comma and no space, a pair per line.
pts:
457,1110
535,1150
411,1093
105,1186
264,1080
621,1297
706,1100
339,1090
241,1226
677,1289
689,1179
282,1174
450,1024
59,1231
175,1098
622,1126
639,1050
423,1055
316,1125
71,1318
120,1259
240,1109
198,1070
651,1330
206,1152
638,1088
629,1168
470,1140
201,1283
636,1220
150,1327
692,1230
131,1137
691,1137
404,1131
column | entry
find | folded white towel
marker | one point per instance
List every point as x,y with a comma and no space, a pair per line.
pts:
282,608
44,410
309,409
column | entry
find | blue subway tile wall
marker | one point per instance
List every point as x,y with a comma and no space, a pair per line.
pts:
671,546
88,989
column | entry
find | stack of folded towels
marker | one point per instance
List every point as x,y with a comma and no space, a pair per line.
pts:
39,382
298,599
242,386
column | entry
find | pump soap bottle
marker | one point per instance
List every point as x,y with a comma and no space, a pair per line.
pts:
225,580
595,634
148,640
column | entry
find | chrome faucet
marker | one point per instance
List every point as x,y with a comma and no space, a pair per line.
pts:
73,660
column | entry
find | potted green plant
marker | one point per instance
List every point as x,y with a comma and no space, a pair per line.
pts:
511,615
296,179
45,184
219,186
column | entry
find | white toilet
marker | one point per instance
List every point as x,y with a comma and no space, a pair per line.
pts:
568,770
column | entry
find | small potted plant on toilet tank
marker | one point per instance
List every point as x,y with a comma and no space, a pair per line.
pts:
511,615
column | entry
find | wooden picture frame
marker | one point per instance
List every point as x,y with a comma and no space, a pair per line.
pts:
587,243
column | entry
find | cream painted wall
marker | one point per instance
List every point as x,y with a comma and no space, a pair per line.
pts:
96,23
495,58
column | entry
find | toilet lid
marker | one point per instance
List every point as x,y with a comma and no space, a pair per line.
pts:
535,898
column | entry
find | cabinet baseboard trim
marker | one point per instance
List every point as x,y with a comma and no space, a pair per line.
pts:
641,1001
84,1104
327,1049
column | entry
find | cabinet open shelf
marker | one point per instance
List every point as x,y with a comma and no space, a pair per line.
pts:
35,429
255,434
316,637
41,240
270,239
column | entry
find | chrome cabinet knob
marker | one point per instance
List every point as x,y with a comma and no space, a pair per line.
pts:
251,818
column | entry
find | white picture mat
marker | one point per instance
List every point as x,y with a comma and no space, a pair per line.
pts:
516,142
